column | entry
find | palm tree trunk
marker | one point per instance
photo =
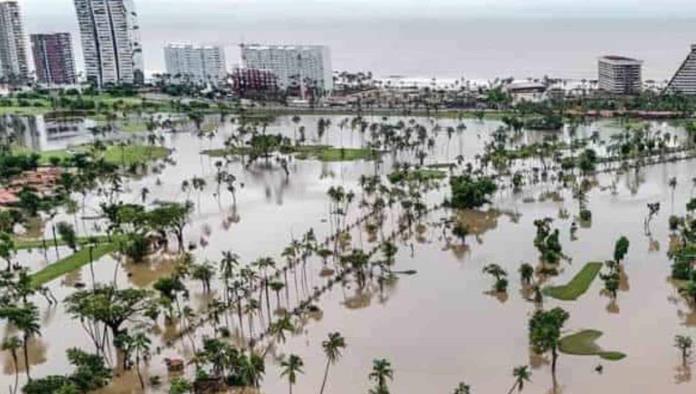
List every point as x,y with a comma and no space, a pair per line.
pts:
554,358
512,389
326,375
26,356
137,368
16,367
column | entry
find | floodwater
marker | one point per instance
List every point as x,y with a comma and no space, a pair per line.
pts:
437,327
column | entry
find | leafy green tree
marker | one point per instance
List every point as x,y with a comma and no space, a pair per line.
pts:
109,305
332,349
587,162
90,374
171,217
461,231
545,333
499,274
469,192
52,384
621,249
68,235
526,273
7,249
179,385
30,201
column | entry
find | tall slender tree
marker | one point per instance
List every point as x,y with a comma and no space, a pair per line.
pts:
332,349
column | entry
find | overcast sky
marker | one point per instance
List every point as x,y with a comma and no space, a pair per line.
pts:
45,9
362,32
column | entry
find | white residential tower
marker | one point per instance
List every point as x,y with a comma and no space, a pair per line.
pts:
14,66
110,41
299,66
199,63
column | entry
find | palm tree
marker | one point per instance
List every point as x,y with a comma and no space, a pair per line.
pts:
521,375
684,344
26,319
526,273
381,371
279,328
12,344
292,366
332,348
462,388
140,344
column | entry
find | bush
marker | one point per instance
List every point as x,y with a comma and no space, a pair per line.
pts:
470,193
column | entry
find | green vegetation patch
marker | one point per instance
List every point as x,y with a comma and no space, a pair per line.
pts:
577,286
35,243
72,263
419,175
127,155
306,152
337,154
583,344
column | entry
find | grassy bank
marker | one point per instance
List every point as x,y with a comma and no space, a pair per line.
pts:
577,286
583,344
72,263
34,243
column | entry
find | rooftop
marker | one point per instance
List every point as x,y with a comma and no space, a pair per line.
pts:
260,47
615,59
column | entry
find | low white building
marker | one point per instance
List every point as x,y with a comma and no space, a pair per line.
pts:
198,63
532,92
302,67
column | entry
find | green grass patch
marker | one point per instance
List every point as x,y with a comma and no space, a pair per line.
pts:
36,243
583,344
71,263
577,286
15,110
329,153
307,152
127,155
131,126
419,175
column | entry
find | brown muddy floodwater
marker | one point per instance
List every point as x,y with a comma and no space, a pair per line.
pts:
440,326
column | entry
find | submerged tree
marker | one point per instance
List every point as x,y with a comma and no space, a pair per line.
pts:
292,367
684,344
499,274
462,388
545,333
381,372
332,349
110,306
469,192
621,249
521,375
